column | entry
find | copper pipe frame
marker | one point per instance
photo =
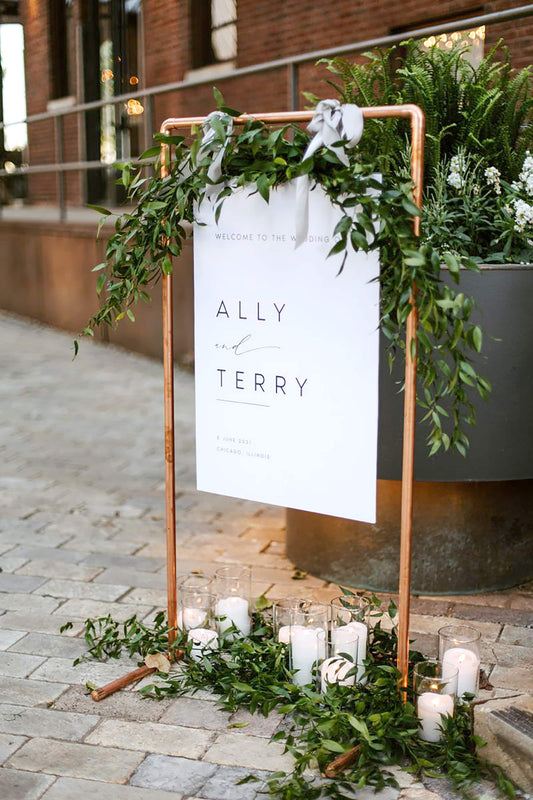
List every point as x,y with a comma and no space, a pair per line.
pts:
417,119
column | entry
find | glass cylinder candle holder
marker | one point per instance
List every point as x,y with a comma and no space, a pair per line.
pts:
285,613
197,610
232,586
309,624
342,659
353,611
435,695
192,580
196,607
459,648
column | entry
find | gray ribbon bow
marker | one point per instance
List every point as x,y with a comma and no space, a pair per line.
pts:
331,123
210,145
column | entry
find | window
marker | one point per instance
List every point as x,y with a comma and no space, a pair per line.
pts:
111,67
214,32
12,88
474,38
59,34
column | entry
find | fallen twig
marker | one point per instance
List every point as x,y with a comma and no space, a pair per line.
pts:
341,762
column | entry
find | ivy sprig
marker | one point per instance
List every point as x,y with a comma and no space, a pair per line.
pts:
374,215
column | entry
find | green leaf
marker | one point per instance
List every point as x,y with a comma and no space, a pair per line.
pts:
100,283
263,187
151,152
243,687
359,242
219,99
452,264
100,209
262,603
477,336
333,747
410,207
339,247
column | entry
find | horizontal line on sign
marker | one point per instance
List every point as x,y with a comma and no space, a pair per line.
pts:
242,402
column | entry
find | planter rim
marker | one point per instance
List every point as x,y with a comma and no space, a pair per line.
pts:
482,267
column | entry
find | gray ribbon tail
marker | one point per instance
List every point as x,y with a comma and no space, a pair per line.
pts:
332,122
302,209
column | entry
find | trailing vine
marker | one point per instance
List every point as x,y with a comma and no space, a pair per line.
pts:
253,674
147,238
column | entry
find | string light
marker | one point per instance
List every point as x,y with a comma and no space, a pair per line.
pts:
449,39
107,75
134,108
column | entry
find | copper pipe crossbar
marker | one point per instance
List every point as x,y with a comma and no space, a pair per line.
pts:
417,119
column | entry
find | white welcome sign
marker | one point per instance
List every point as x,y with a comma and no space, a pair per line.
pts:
286,358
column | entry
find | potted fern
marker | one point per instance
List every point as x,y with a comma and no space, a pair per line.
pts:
473,507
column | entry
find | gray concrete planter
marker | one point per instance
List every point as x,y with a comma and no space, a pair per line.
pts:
473,517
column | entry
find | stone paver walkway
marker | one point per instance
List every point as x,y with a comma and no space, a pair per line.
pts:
82,534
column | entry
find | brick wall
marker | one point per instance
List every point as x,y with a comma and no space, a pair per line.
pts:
266,30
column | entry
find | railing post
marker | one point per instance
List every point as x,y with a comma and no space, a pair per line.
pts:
59,149
148,120
293,86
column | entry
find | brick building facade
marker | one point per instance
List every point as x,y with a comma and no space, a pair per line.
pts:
83,50
168,41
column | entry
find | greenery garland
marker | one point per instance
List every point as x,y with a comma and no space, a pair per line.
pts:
147,238
253,674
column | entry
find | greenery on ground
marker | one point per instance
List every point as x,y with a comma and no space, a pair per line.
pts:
478,197
372,216
253,674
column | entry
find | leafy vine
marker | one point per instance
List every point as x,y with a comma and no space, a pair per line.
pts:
147,238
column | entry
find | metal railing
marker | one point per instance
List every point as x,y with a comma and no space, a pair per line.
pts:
290,63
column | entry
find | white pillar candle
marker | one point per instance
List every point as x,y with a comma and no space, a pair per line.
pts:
334,670
345,640
467,662
236,611
192,618
284,633
308,645
203,640
362,632
431,707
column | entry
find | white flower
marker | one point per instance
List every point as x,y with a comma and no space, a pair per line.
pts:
457,170
455,179
523,213
527,167
492,175
525,179
457,164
